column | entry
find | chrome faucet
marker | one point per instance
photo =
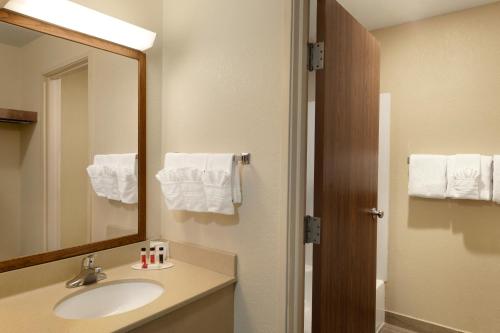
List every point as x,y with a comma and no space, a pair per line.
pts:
88,275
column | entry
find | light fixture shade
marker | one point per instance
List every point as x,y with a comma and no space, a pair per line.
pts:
70,15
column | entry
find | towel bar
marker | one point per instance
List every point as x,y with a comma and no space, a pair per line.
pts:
244,158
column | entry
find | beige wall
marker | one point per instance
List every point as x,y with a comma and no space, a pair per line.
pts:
112,123
11,79
444,77
10,196
75,156
39,57
10,142
147,14
225,89
113,84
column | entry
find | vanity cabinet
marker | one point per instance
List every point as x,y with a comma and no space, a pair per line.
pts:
213,313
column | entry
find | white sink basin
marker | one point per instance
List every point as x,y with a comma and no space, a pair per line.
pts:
108,299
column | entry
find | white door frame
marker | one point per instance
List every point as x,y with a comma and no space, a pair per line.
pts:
53,162
297,159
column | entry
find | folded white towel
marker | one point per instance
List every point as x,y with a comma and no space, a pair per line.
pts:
127,185
126,173
95,173
114,177
181,182
218,180
103,176
427,177
464,174
237,197
496,178
485,181
200,182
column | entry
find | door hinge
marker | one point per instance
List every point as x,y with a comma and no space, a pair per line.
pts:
315,56
312,229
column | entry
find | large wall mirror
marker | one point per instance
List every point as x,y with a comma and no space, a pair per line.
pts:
72,143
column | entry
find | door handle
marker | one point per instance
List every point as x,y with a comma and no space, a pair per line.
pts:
377,213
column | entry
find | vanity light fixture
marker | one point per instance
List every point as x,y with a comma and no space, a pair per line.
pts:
70,15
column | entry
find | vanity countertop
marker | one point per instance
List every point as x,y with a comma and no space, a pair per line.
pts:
184,283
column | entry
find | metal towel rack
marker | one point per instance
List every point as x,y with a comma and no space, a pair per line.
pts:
243,158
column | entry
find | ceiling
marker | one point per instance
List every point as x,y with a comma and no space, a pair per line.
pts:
376,14
15,36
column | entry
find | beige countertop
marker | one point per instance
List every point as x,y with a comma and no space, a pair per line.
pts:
184,283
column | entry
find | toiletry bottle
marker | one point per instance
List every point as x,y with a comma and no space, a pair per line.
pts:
161,256
143,258
152,255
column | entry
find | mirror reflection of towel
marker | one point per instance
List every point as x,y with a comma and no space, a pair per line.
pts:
114,177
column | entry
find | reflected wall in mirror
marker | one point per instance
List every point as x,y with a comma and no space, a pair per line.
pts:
70,178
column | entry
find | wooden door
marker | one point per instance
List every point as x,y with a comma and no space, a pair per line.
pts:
347,101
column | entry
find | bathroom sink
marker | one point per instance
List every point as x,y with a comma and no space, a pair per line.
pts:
108,299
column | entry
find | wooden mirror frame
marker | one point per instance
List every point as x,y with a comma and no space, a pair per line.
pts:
53,30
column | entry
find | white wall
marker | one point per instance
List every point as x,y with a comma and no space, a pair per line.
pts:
384,161
226,89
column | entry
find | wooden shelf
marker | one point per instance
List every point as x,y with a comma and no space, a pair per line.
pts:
18,116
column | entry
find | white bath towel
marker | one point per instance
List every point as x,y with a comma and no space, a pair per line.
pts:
464,174
114,176
427,177
237,197
485,181
496,178
103,177
126,173
181,182
95,173
200,182
221,183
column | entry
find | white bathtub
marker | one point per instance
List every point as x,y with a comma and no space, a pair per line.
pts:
380,307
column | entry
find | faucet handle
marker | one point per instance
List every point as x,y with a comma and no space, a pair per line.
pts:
88,261
99,274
